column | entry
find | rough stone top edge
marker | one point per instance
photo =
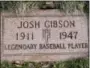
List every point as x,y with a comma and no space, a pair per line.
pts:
37,12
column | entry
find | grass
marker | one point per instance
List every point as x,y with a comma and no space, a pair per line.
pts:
24,6
75,63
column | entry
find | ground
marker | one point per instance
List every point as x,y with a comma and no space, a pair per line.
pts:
74,63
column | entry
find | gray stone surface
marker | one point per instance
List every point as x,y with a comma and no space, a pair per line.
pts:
51,25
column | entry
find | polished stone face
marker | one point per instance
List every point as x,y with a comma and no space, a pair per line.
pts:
44,38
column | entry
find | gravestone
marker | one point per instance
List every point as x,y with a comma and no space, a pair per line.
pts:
43,35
